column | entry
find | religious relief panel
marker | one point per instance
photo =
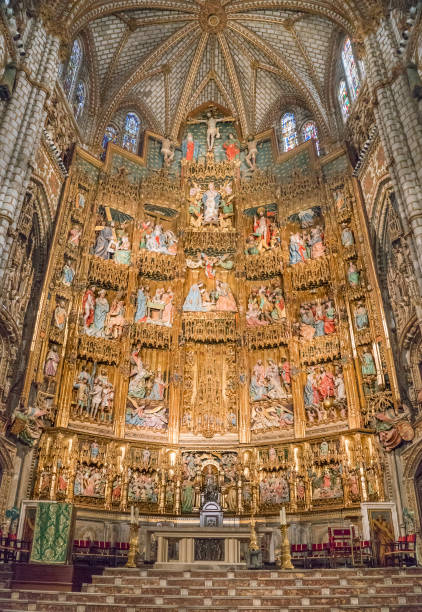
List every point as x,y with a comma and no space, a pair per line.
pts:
266,304
211,208
327,484
317,318
154,304
103,313
154,238
93,396
274,490
113,236
148,392
262,231
307,236
270,394
325,396
213,477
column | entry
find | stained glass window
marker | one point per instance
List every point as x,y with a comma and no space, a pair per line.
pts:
288,132
343,98
350,68
110,135
73,68
309,132
80,97
131,132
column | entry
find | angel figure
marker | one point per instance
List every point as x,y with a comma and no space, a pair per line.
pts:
213,131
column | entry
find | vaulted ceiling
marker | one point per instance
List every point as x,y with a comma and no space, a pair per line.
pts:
171,56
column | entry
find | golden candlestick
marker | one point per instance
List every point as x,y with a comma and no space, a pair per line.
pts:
285,557
253,544
133,544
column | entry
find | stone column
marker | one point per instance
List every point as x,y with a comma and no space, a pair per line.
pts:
400,131
21,126
190,550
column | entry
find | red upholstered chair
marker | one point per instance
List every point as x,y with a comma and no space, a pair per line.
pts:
341,545
366,553
319,555
403,551
299,552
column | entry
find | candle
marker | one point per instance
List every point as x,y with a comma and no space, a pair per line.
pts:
132,516
296,458
283,519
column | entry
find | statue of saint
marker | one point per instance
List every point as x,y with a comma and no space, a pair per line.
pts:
231,147
190,148
211,201
211,492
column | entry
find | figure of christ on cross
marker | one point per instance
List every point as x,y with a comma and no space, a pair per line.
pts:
212,128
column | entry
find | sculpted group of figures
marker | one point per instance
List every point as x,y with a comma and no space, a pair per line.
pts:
111,242
265,234
156,308
272,416
90,480
114,243
266,305
94,396
142,487
147,391
212,207
209,263
157,240
196,473
272,382
327,484
270,394
324,392
193,150
274,489
219,299
100,319
308,244
317,318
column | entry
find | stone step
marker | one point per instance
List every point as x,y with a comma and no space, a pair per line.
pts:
126,601
346,608
280,581
234,589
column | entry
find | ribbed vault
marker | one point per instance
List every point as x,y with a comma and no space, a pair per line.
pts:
243,54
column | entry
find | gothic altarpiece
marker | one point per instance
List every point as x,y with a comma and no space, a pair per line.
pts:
210,325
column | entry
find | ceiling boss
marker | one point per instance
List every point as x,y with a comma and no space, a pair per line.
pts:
212,16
